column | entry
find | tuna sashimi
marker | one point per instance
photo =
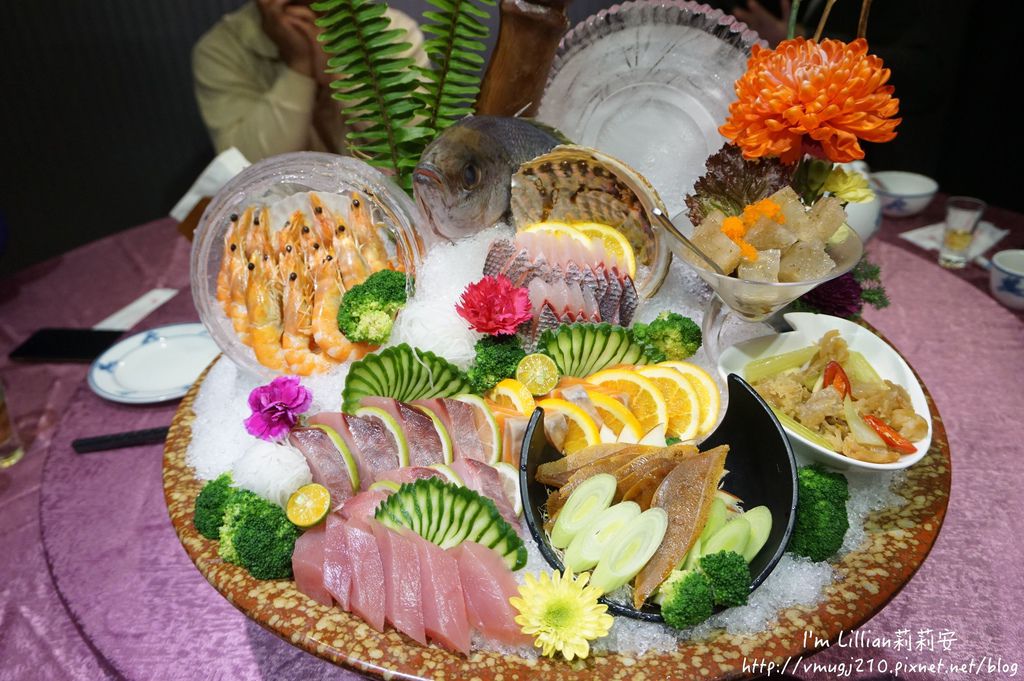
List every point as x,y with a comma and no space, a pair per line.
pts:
444,606
337,561
363,505
325,462
367,595
464,431
308,565
403,598
487,584
372,445
486,481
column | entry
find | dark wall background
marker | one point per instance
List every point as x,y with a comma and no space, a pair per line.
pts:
99,130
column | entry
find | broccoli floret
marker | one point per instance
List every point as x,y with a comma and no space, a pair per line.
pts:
257,535
368,310
821,520
209,509
729,576
686,598
674,335
496,359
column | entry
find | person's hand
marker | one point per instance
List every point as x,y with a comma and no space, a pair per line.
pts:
292,29
771,28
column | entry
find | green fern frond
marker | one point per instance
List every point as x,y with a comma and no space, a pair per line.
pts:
455,46
379,84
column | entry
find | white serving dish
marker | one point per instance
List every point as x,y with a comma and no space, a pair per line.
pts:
808,329
1006,278
903,194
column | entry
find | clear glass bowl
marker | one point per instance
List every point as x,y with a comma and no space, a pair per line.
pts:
270,183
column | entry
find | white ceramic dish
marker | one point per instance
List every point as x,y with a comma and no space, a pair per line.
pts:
153,366
903,194
808,329
1006,278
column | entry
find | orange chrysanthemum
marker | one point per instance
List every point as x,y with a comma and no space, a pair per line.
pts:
833,93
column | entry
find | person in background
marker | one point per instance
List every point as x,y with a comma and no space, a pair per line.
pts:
260,80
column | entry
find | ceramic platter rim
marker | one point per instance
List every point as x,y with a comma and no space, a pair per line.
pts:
898,540
102,376
807,329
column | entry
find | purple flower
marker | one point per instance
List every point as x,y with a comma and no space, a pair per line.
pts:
277,407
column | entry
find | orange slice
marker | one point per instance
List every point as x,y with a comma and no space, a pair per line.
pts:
681,399
615,415
582,430
510,393
643,397
708,395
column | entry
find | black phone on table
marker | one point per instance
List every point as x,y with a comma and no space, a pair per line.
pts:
65,345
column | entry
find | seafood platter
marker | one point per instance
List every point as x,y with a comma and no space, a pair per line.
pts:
477,432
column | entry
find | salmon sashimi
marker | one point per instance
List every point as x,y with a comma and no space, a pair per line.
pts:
486,481
557,473
444,606
367,596
364,504
372,445
337,561
308,565
325,462
402,593
487,584
686,495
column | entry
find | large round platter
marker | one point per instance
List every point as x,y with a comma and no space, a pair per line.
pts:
649,65
897,542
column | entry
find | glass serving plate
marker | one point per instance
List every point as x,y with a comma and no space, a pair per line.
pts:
277,183
649,82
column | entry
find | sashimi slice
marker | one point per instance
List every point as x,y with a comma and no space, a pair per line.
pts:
424,442
367,595
409,474
498,256
486,481
325,462
372,445
487,584
512,433
337,561
308,565
466,439
364,504
629,301
332,419
402,593
444,606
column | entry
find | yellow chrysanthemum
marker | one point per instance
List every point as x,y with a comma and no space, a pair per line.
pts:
561,613
851,187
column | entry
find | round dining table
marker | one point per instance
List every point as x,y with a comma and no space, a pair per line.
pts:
95,584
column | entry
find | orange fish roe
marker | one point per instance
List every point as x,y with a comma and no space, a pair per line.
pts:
735,227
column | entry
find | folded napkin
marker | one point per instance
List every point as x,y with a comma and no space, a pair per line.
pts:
227,164
930,238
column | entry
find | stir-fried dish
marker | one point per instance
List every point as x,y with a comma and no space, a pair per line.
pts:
833,397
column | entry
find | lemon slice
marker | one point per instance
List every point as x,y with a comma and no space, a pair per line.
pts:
582,430
308,505
614,241
449,474
538,373
490,424
684,415
708,395
615,415
512,393
386,485
392,427
644,399
510,483
558,229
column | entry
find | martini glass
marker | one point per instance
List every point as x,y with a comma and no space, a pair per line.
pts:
755,301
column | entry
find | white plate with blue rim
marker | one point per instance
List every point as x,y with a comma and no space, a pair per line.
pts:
153,366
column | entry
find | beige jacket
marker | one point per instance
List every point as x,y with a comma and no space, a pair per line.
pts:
249,99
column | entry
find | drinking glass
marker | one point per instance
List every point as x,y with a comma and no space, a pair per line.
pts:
11,449
962,216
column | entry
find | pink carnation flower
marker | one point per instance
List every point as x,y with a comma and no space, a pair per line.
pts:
276,407
494,306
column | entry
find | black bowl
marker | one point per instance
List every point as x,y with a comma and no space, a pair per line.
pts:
762,472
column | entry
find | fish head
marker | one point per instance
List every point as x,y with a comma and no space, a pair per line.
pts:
462,182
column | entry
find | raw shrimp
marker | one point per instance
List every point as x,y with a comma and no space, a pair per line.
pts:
263,301
297,304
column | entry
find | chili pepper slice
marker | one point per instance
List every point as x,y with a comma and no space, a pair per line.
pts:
890,435
836,377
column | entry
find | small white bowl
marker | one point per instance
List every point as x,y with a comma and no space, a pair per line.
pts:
903,194
808,329
1006,278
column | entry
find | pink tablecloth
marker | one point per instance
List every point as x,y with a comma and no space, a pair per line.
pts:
132,606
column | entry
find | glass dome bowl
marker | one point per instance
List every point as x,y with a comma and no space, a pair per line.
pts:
279,184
